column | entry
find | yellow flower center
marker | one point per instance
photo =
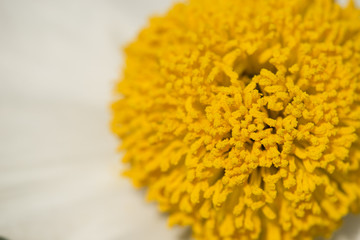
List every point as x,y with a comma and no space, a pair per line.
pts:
242,117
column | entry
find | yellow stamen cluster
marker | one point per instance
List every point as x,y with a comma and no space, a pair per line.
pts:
242,117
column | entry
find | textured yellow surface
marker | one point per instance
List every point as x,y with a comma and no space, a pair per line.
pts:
242,117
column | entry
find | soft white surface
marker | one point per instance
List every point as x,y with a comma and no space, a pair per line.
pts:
58,166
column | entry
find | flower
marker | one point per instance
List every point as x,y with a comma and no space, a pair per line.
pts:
242,117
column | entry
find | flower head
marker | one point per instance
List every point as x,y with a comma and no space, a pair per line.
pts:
242,117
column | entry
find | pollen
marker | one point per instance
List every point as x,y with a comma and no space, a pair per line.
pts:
242,117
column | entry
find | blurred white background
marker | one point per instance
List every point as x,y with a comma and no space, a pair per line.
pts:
59,171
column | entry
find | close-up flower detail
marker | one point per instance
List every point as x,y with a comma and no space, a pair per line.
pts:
242,117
